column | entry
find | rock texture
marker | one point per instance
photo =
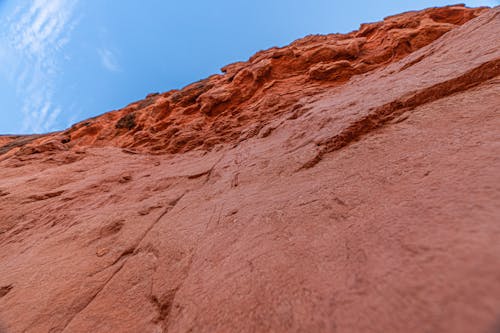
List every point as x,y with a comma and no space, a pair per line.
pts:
343,183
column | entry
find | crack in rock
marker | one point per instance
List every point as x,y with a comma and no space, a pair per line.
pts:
383,115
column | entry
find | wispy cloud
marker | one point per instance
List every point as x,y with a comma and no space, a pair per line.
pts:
108,60
37,33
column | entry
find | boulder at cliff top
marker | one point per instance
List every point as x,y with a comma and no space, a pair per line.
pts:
343,183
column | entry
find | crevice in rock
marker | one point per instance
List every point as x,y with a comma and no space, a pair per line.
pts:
163,307
383,115
45,196
94,296
124,257
4,290
165,303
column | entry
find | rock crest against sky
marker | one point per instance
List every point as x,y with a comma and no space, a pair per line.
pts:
342,183
67,60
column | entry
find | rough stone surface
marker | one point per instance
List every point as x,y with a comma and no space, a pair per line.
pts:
343,183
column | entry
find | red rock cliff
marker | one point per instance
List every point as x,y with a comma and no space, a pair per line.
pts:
343,183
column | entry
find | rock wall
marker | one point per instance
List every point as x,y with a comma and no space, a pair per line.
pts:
344,183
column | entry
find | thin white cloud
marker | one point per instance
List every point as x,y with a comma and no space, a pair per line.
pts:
108,60
37,33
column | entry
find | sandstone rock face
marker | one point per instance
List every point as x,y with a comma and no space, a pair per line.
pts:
343,183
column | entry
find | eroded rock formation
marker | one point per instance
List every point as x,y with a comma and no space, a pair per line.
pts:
343,183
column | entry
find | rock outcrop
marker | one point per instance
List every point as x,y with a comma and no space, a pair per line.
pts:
343,183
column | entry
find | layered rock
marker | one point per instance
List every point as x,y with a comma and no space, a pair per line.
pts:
236,105
344,183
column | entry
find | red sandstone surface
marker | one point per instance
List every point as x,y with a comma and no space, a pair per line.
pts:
343,183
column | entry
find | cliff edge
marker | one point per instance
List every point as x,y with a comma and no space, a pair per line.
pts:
342,183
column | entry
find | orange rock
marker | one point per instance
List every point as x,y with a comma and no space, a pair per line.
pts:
292,70
343,183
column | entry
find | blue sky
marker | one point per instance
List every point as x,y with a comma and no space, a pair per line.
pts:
62,61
